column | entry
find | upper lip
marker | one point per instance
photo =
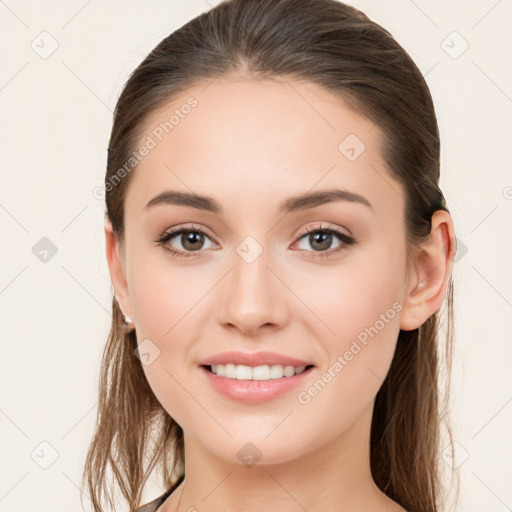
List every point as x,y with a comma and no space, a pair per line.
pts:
254,359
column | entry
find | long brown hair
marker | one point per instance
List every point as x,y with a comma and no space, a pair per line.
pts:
331,44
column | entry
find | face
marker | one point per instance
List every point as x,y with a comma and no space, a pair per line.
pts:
320,280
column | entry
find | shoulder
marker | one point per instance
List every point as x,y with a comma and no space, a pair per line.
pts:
152,506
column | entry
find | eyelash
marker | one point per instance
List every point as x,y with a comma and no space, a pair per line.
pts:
345,239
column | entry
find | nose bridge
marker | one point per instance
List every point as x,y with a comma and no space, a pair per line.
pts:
252,296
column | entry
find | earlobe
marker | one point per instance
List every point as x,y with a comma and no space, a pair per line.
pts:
430,275
115,265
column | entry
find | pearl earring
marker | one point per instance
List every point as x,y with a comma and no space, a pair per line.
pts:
126,319
128,323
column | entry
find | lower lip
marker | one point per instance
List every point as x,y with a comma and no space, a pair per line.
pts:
254,391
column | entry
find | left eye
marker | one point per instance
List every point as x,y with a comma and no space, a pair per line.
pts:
321,240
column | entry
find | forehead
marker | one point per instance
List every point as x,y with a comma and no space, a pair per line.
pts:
247,141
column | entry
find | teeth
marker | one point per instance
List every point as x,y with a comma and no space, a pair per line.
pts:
266,372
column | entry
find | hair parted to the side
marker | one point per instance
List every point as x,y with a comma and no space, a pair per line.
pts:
339,48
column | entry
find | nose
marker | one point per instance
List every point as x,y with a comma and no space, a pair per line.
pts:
253,297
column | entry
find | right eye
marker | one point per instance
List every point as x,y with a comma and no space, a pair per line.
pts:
191,240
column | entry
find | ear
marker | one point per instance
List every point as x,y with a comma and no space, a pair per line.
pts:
430,273
116,268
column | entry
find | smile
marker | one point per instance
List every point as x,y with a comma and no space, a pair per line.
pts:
264,372
253,385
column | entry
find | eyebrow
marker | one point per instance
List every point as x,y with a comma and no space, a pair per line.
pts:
292,204
312,199
186,199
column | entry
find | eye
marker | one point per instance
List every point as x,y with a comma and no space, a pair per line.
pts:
321,239
190,238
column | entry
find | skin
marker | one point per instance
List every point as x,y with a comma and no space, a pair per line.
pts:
250,144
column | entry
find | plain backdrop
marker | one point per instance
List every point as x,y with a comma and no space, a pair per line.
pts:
63,65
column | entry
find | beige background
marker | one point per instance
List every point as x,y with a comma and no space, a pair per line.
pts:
56,119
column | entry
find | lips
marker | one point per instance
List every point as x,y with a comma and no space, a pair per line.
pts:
255,359
255,391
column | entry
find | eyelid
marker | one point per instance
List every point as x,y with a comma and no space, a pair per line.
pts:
188,227
322,226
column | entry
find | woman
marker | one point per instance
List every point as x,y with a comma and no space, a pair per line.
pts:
279,250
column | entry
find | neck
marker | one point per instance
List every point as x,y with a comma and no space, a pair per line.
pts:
329,478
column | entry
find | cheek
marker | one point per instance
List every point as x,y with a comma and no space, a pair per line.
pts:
165,300
357,318
162,292
168,301
357,357
348,298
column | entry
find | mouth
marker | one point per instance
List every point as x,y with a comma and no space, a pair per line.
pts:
256,373
256,384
